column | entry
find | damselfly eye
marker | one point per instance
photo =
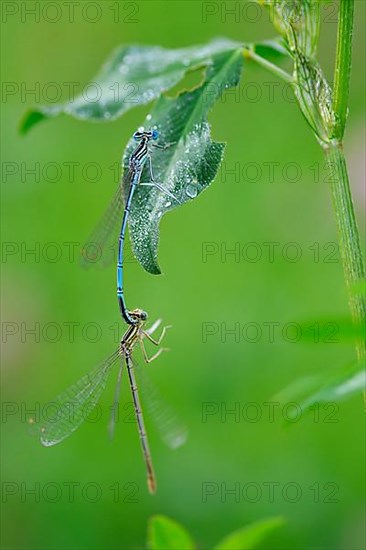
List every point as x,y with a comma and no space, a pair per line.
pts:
136,136
155,134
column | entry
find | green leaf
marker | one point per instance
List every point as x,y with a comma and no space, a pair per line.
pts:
166,534
251,536
131,76
324,387
188,165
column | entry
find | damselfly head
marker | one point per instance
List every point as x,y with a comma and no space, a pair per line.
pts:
147,134
139,133
138,314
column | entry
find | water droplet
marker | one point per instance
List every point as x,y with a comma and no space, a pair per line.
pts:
107,115
191,191
167,204
149,117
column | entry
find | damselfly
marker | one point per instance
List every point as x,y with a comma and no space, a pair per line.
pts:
73,405
131,179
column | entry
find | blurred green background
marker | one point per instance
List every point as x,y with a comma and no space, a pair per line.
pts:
260,127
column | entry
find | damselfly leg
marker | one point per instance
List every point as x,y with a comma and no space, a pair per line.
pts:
154,183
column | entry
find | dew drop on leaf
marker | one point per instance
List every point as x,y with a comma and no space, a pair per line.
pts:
191,190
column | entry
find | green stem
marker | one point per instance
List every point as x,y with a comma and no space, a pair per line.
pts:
343,63
349,241
250,54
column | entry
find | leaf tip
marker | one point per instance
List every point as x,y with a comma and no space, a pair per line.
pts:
153,268
30,119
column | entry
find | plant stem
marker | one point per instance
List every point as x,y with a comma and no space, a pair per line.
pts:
271,67
349,241
343,63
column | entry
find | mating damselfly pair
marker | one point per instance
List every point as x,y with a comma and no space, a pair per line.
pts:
86,393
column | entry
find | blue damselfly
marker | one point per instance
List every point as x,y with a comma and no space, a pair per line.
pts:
131,179
74,404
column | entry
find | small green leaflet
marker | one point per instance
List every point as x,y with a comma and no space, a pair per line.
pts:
164,533
189,164
131,76
250,536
